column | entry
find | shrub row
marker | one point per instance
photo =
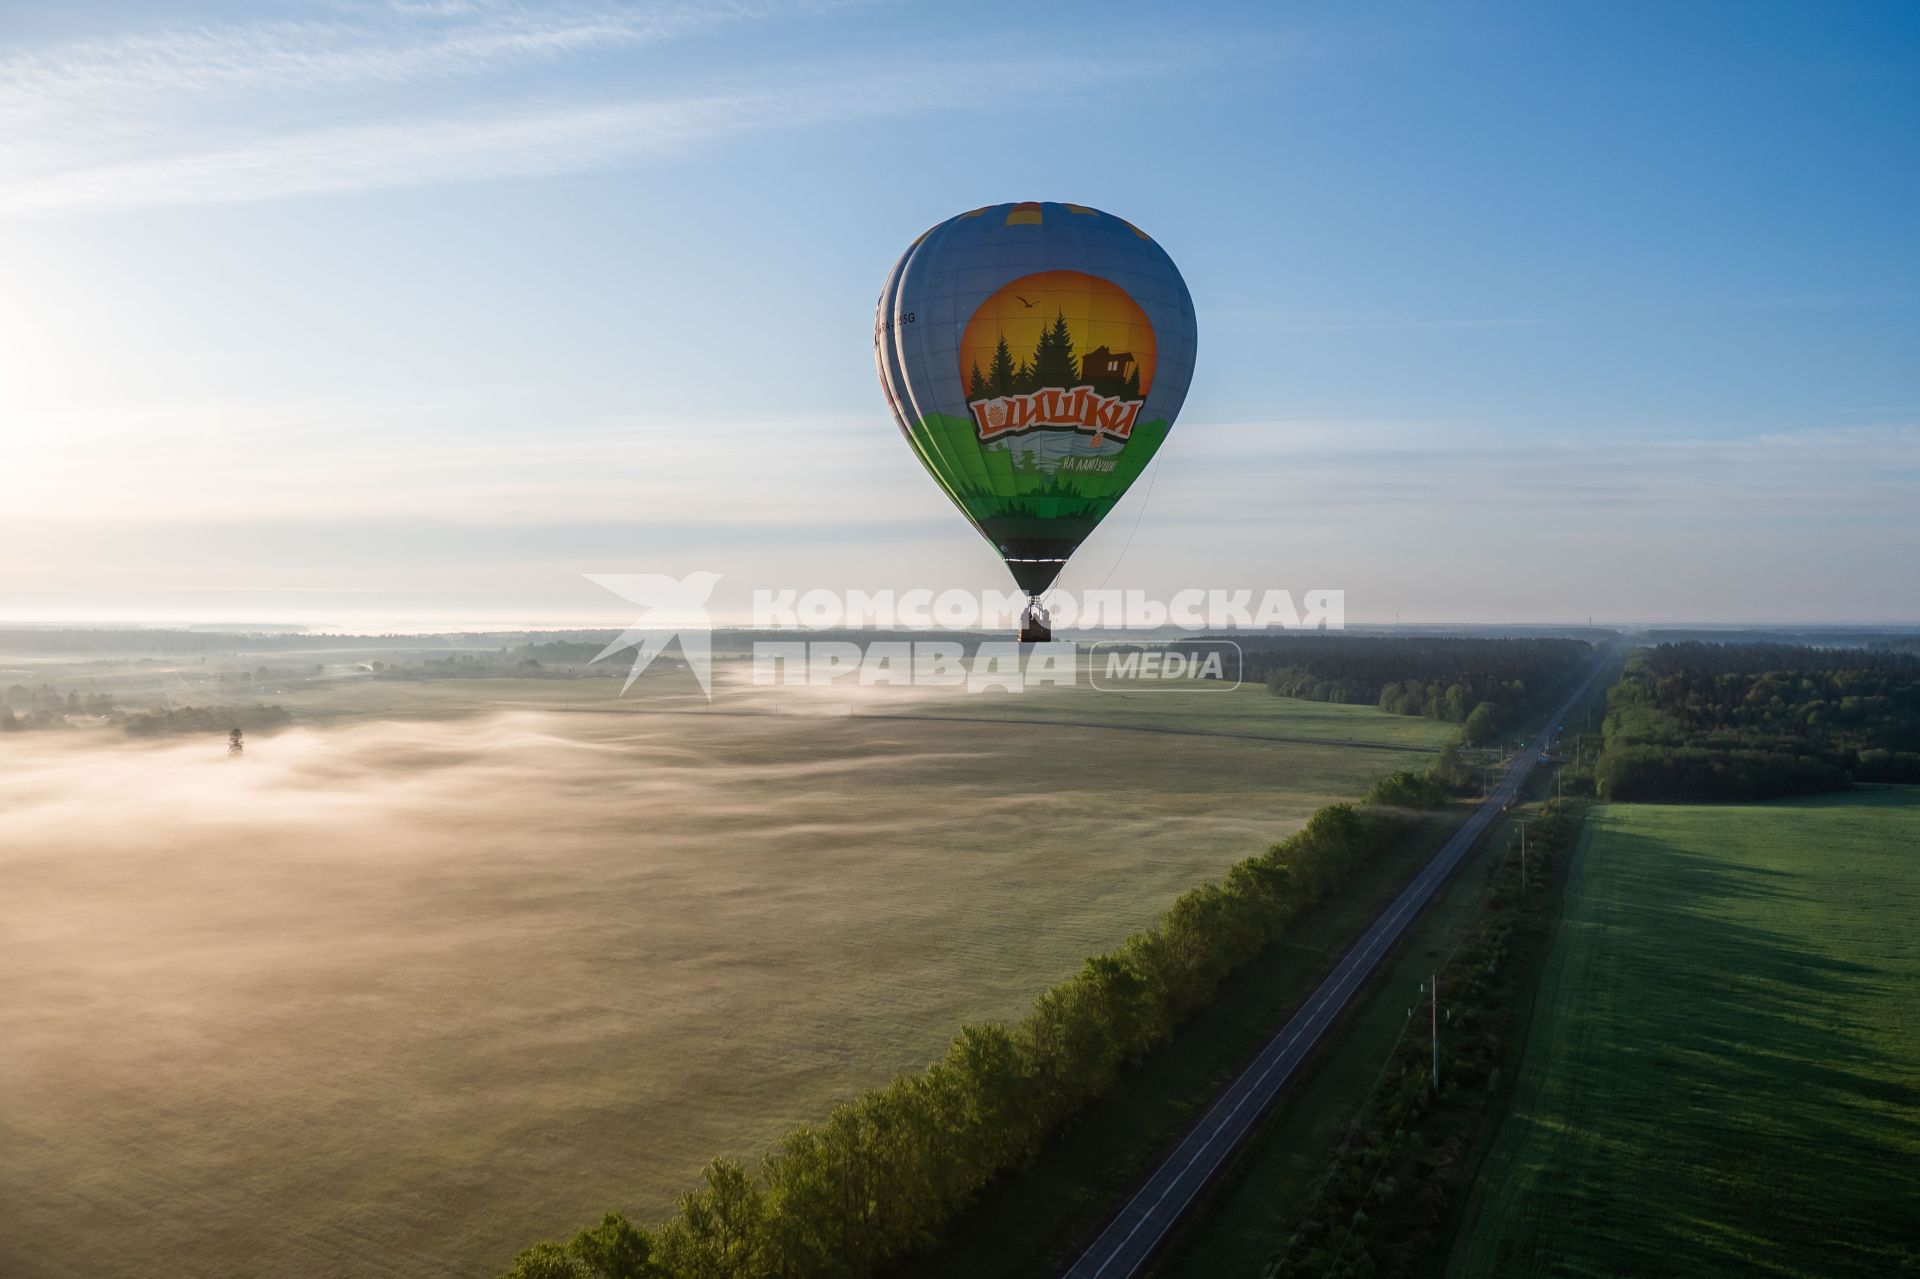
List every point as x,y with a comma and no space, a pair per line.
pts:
1410,789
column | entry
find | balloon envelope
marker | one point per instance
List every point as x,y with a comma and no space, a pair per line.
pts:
1035,356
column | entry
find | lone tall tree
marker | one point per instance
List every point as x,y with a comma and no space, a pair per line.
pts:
1053,362
1000,373
236,743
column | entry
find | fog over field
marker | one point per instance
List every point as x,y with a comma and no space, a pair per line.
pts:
404,993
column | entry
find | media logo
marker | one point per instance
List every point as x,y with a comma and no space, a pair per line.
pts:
670,608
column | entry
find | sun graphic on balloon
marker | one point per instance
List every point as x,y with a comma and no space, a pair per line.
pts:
1060,329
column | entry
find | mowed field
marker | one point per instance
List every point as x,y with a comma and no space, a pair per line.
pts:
1723,1075
450,966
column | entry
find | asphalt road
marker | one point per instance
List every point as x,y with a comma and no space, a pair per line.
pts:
1146,1220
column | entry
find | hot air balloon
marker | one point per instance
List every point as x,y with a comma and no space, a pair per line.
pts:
1035,356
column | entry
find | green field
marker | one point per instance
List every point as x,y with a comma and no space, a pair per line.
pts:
1723,1073
457,964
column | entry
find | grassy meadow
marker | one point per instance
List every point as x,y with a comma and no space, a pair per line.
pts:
1723,1071
453,964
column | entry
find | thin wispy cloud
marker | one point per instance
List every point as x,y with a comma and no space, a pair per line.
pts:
1365,322
296,463
389,44
317,470
99,103
84,102
428,151
419,152
1865,474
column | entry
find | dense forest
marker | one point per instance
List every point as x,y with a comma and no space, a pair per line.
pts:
1736,722
1487,685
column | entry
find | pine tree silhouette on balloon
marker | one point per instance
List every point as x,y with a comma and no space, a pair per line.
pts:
1054,365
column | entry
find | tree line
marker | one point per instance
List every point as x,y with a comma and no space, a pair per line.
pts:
44,707
1739,722
1822,637
164,721
883,1174
1487,685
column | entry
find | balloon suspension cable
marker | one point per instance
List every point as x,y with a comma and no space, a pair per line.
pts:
1153,468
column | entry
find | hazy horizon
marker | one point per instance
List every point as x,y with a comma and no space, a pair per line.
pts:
351,627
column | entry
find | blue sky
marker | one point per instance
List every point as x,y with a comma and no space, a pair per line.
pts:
417,312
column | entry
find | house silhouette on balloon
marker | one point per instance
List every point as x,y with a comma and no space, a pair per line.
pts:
1107,371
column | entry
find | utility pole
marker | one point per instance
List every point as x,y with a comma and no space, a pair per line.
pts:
1523,859
1435,1018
